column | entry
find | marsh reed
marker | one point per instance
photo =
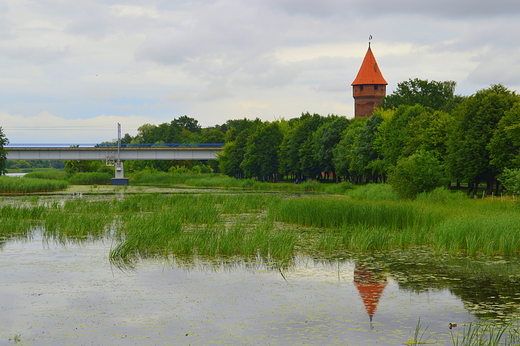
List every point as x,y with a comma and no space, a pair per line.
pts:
277,225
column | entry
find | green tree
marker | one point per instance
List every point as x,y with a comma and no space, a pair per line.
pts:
344,151
296,154
261,156
233,152
394,134
504,147
3,153
432,94
420,172
476,120
430,131
325,139
510,178
187,123
212,136
364,152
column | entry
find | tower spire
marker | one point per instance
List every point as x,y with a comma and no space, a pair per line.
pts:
369,87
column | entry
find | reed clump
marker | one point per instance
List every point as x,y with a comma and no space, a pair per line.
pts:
489,234
171,232
52,175
67,226
277,225
23,212
90,178
340,213
488,333
18,185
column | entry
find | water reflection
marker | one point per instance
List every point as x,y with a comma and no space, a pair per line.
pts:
487,287
370,285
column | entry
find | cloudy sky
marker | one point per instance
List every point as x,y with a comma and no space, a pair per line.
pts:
71,70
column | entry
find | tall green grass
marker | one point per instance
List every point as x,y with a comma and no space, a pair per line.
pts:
69,226
373,192
79,178
486,233
168,232
17,185
52,175
485,227
90,178
340,212
488,334
20,219
268,224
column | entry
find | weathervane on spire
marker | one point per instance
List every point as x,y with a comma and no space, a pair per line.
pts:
369,39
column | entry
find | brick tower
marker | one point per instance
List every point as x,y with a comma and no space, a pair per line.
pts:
369,87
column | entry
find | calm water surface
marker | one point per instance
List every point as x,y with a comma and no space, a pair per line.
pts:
70,294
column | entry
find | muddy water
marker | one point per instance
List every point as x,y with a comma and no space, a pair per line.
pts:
56,294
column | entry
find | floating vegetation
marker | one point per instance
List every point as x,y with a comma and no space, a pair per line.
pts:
488,334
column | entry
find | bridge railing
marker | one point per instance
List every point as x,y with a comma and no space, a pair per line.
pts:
114,145
163,145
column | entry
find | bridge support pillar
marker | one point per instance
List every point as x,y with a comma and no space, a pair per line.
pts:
119,174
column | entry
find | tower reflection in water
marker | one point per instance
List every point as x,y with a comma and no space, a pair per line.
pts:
370,285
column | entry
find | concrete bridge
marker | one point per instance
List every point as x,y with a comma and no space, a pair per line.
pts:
163,152
114,155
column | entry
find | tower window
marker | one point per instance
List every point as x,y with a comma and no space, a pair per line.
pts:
360,88
376,87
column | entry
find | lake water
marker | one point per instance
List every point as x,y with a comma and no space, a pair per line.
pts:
70,294
15,174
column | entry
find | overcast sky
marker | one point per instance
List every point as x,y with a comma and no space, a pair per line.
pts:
71,70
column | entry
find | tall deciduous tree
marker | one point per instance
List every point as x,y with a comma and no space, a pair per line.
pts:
344,151
477,119
3,153
364,152
504,147
394,134
233,152
324,141
420,172
296,150
261,156
432,94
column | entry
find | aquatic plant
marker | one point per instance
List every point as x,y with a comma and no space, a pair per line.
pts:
23,212
373,192
18,185
336,213
490,234
67,226
168,232
90,178
488,333
339,188
52,175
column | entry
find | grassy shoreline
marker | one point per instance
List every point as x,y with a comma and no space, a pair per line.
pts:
186,222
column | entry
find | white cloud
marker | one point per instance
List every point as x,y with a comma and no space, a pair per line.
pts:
48,128
150,61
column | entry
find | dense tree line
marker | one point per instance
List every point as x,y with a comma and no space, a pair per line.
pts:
423,136
423,132
423,127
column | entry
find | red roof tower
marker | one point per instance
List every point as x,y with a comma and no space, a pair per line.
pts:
369,87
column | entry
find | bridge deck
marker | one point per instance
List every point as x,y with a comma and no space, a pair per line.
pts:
155,153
